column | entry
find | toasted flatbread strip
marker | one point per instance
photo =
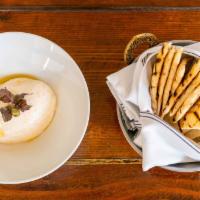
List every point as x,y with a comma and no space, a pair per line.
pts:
189,121
157,67
163,77
186,81
192,119
188,103
174,65
194,135
196,107
179,74
185,94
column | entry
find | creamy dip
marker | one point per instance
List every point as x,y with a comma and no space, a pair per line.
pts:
32,122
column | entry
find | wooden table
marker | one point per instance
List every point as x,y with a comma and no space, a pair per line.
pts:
95,34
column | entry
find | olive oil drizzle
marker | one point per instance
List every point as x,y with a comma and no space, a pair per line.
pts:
6,78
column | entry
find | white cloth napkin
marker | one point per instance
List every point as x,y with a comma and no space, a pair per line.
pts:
160,145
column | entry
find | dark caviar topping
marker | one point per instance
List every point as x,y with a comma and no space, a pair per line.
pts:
6,96
22,105
6,113
16,104
19,97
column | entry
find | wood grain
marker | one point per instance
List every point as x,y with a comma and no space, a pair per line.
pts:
107,161
96,41
107,182
100,4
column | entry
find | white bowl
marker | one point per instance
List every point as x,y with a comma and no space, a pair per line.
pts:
30,54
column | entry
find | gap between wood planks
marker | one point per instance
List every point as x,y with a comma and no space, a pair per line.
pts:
108,161
97,9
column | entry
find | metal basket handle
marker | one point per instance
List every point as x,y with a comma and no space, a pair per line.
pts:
136,41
